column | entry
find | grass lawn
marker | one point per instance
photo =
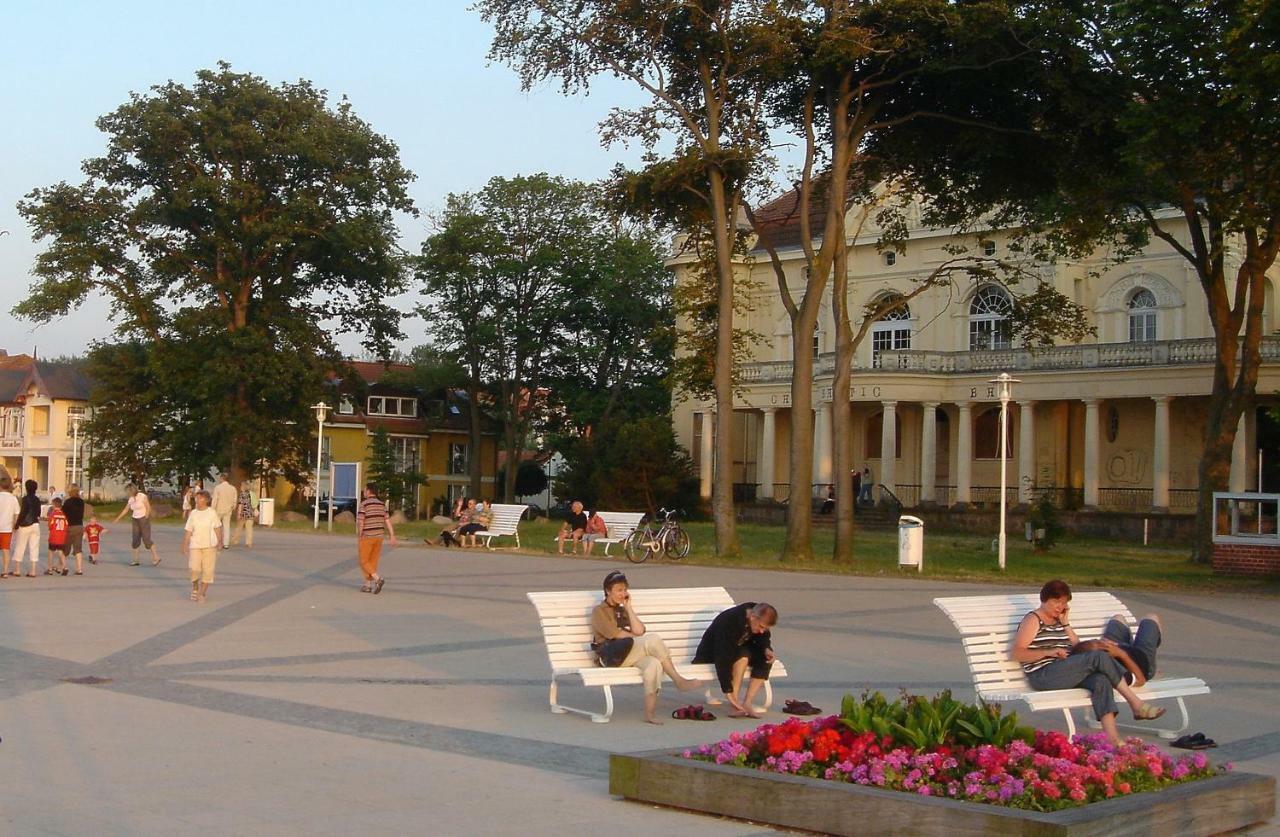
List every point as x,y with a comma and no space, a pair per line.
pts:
955,557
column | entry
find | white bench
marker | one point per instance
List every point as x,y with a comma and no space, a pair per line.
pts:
504,519
678,615
620,525
987,625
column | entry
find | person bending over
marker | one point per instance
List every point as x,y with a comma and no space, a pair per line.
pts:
619,639
1053,657
736,640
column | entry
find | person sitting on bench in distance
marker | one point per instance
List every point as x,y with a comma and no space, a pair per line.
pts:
619,639
574,527
1053,657
736,639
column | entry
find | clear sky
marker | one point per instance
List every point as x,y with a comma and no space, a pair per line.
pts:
416,71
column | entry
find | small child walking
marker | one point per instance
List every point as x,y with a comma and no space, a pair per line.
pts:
94,532
57,538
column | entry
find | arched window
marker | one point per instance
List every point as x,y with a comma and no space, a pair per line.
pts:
986,435
891,332
875,426
1142,316
989,318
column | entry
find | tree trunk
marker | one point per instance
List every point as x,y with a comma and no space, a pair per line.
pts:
722,510
798,546
841,421
475,465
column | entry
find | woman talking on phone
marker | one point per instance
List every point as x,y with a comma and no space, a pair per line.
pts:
1053,657
619,639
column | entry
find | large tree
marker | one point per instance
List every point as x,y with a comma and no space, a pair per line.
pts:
233,227
1148,121
692,59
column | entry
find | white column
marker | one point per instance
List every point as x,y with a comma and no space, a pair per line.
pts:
822,443
1091,445
1026,451
929,452
766,454
964,455
1160,455
708,452
889,444
1239,459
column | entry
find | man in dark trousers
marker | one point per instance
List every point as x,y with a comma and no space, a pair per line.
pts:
737,639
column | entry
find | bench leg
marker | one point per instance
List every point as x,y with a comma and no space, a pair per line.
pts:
1164,732
1071,723
596,717
768,698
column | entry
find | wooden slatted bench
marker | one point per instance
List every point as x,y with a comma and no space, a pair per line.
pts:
620,525
678,615
504,520
987,625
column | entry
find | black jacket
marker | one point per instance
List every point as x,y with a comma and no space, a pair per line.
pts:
724,640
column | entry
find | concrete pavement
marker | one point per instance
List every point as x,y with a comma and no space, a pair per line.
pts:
293,704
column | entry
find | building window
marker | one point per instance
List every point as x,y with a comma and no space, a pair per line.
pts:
989,318
13,423
817,342
891,333
458,458
390,406
75,414
988,248
986,435
890,258
875,427
406,451
39,421
73,475
346,407
1142,317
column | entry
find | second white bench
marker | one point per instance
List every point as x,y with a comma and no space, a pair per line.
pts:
504,520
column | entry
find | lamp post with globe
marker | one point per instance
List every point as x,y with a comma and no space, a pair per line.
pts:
1005,382
321,410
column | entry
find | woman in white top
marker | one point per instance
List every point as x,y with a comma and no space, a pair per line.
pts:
139,507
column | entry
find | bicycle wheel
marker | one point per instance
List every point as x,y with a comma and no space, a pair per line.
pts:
677,543
637,546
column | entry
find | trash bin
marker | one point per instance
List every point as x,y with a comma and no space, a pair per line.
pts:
911,542
266,512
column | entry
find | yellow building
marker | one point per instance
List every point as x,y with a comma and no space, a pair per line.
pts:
1115,422
429,437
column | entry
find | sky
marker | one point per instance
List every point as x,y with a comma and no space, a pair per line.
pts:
416,71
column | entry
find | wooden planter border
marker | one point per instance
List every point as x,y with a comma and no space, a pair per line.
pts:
1207,806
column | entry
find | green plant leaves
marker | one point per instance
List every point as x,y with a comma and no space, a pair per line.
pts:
923,723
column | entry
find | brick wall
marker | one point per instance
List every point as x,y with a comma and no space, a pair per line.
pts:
1246,559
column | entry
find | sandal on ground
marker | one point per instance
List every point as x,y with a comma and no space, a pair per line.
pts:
1195,741
1147,712
366,589
692,712
377,585
156,562
66,572
800,707
135,563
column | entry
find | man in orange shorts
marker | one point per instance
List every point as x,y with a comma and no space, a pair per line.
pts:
371,521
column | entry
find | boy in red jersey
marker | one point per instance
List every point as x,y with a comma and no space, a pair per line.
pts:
57,538
93,533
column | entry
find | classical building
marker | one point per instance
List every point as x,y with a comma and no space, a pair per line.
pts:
41,407
1113,422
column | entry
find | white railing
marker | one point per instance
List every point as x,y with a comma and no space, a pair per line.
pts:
1198,351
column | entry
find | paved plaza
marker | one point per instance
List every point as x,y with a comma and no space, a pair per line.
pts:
293,704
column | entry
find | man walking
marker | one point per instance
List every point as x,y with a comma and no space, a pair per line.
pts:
9,508
736,639
224,503
371,522
201,540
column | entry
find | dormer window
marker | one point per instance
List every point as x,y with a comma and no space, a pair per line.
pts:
385,405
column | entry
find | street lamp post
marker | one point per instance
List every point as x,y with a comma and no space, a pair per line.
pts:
75,447
322,412
1005,382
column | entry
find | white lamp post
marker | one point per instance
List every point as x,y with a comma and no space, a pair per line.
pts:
75,447
322,412
1005,382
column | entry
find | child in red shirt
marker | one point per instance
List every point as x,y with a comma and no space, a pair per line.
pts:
94,532
57,538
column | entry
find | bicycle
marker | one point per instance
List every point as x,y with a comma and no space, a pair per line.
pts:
670,539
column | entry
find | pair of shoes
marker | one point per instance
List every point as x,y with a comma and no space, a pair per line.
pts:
692,712
1196,741
1147,712
800,707
377,585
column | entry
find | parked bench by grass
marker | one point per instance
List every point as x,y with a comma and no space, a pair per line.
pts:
504,520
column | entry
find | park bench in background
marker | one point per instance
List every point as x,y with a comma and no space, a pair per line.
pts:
678,615
620,524
987,625
504,519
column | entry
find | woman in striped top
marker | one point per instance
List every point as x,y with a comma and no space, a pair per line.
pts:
1043,646
371,521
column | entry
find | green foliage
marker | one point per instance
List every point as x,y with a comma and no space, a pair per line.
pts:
1043,517
231,226
922,723
636,465
531,479
394,479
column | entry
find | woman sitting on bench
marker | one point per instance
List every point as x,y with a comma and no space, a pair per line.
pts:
619,639
1053,657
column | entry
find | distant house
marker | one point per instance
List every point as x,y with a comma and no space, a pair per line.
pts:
428,434
41,406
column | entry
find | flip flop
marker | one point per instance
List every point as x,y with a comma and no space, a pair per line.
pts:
800,707
681,714
1147,712
702,714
